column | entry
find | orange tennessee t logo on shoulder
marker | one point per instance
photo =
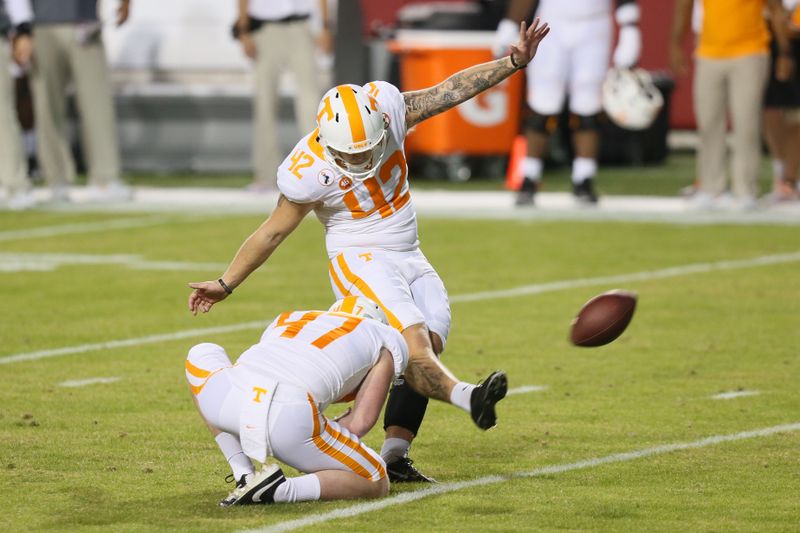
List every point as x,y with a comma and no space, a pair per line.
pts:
259,391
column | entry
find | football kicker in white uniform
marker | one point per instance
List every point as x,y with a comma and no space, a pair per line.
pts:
351,171
271,403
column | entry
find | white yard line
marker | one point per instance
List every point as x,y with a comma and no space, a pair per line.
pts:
526,389
26,262
647,275
72,383
83,227
524,290
138,341
444,488
735,394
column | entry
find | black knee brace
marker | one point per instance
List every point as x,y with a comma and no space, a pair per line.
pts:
541,123
584,122
405,408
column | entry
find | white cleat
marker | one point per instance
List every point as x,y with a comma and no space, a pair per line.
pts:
21,201
113,192
59,194
256,488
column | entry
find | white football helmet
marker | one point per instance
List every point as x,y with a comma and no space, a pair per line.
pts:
360,306
630,98
352,130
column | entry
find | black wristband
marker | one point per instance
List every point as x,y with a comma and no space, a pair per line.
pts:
225,287
514,63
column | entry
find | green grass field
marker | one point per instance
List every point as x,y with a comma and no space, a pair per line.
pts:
133,455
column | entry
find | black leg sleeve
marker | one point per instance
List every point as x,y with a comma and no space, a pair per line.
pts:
405,408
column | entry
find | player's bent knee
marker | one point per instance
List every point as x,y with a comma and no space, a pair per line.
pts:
586,103
379,488
584,122
203,359
541,123
204,349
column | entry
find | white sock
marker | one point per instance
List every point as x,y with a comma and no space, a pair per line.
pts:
532,168
583,168
777,169
394,448
232,450
298,489
461,394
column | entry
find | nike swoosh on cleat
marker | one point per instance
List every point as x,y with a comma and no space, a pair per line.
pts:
258,493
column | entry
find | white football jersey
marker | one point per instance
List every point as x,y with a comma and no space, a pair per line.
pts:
376,212
326,353
573,9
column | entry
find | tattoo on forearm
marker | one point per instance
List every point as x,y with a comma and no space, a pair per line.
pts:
458,88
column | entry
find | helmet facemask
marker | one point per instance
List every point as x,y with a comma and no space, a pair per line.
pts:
357,162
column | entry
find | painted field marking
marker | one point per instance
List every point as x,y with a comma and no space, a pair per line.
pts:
83,348
524,290
647,275
444,488
89,381
735,394
83,227
22,262
525,389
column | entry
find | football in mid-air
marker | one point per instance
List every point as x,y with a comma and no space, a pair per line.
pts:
603,318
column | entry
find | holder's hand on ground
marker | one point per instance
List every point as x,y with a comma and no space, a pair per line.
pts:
529,39
204,295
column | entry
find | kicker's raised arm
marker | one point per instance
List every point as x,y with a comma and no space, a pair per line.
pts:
463,85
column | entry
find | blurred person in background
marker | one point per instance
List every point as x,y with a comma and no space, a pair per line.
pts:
781,120
732,65
277,36
69,48
16,23
573,61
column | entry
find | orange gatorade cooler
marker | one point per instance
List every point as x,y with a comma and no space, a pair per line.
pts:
483,126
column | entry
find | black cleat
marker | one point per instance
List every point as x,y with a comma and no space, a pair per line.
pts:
485,396
402,471
584,192
527,193
256,488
